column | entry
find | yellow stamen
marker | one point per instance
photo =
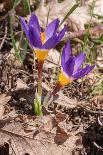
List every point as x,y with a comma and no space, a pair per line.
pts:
63,79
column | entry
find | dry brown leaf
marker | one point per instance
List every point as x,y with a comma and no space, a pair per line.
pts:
62,99
61,136
18,143
23,142
4,99
21,85
2,109
52,59
45,123
59,116
97,99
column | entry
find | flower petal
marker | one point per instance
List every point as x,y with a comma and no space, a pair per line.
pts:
79,61
51,28
82,72
68,67
24,26
61,34
34,22
34,37
51,42
66,53
88,70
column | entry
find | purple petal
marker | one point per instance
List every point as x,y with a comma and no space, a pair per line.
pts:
24,26
34,37
51,28
68,67
54,40
79,61
82,72
66,53
34,22
51,43
61,34
88,70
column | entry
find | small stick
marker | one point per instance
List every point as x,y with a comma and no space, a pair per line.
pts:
2,43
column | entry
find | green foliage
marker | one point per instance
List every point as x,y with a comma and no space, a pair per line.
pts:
37,105
16,3
60,1
98,89
69,13
20,55
26,7
98,16
101,39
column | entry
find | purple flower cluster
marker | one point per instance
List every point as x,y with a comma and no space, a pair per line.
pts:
43,41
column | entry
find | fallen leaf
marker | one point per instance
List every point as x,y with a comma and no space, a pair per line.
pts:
52,59
97,99
21,85
2,109
22,142
61,99
59,116
4,99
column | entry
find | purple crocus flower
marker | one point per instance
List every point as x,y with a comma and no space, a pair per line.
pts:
42,41
72,66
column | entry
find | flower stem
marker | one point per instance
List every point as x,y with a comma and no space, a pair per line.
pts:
40,67
38,95
56,88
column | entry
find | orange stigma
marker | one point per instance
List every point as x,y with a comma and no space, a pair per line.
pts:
43,37
41,54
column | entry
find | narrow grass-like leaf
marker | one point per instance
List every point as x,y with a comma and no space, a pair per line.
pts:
98,16
69,13
86,37
48,15
26,7
16,3
17,52
20,55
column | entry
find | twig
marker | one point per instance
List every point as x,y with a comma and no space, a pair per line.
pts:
89,110
97,146
1,45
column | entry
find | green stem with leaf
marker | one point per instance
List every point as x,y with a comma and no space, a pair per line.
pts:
38,95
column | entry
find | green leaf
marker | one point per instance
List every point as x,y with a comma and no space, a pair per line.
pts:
16,3
69,13
20,56
101,38
37,105
98,16
26,7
